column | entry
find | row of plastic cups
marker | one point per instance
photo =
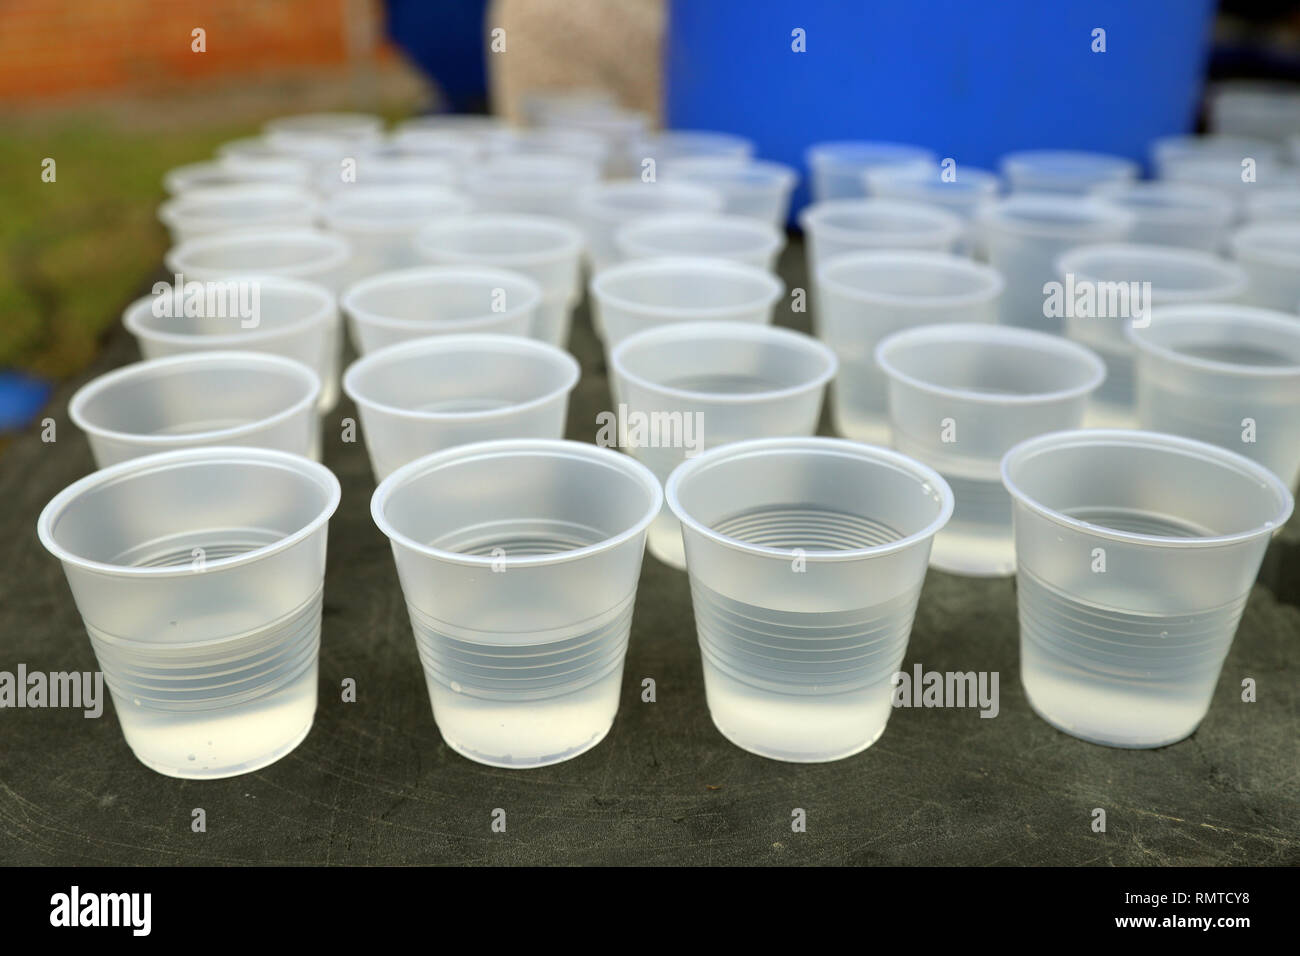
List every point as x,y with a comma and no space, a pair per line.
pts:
519,562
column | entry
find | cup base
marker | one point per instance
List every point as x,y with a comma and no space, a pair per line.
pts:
1117,744
526,763
219,773
793,756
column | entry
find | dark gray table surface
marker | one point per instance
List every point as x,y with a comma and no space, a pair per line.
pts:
374,784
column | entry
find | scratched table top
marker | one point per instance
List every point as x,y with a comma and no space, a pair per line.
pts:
373,782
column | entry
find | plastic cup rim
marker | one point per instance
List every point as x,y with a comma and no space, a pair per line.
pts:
439,274
1197,204
767,238
457,342
1150,440
335,251
1280,322
690,331
774,287
213,454
1000,214
346,211
569,244
1007,336
942,224
1248,240
820,445
995,283
528,446
131,315
1233,277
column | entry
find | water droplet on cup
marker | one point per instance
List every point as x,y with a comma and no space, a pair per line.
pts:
455,685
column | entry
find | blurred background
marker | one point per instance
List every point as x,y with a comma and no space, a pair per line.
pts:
117,93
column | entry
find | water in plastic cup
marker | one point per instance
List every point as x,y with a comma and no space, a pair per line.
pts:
604,208
1169,213
864,296
1023,237
439,300
1135,553
533,184
546,249
683,388
644,293
1224,374
380,223
708,235
1118,276
201,212
806,558
196,399
198,574
959,397
519,562
1270,254
837,170
855,225
293,318
1071,172
960,191
756,189
424,395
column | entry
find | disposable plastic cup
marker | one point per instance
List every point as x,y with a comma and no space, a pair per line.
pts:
1072,172
756,189
682,389
1024,236
1263,110
293,319
1135,555
1270,254
428,394
268,167
806,558
1224,374
1173,214
604,208
648,292
581,145
519,562
960,396
466,124
671,145
1274,205
459,149
380,223
1169,152
310,255
534,184
439,300
351,127
1231,176
1103,286
853,225
546,249
389,171
960,191
212,173
620,128
201,212
200,398
198,574
864,296
736,238
543,106
837,170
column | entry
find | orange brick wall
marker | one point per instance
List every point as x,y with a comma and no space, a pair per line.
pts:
50,47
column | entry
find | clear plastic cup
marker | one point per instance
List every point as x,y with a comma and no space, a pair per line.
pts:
439,300
1273,205
618,127
736,238
428,394
1024,236
201,212
294,319
1115,274
1254,108
389,171
960,396
1169,152
671,145
381,223
545,106
200,398
864,296
1172,213
268,167
806,558
546,249
756,189
1135,554
459,149
1224,374
837,170
350,127
1072,172
604,208
961,192
853,225
647,292
1270,254
1234,177
198,574
519,563
467,124
685,388
585,147
534,184
212,173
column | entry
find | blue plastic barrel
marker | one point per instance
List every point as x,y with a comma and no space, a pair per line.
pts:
970,79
